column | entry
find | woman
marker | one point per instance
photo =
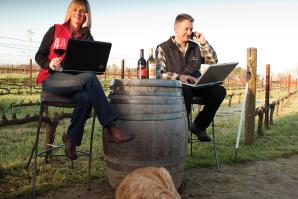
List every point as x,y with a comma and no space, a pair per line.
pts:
84,88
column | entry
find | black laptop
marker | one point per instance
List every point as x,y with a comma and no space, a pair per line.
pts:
86,56
214,74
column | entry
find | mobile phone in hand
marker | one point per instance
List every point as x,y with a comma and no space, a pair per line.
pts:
193,35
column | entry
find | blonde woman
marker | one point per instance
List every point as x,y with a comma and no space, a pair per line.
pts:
84,88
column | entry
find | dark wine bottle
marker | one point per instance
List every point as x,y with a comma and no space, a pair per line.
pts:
142,70
158,65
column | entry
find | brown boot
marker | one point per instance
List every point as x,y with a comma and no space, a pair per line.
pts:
117,135
70,149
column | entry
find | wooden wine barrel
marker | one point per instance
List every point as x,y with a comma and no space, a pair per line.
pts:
154,111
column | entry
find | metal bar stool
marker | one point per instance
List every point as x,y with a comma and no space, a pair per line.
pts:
202,101
48,99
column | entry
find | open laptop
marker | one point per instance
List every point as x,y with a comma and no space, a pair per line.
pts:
214,74
86,56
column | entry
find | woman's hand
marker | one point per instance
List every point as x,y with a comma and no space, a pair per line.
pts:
86,23
55,63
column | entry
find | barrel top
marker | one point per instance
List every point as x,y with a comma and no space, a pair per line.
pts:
146,82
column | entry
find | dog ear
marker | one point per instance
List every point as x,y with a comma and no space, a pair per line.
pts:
168,182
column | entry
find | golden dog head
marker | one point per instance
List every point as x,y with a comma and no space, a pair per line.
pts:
147,183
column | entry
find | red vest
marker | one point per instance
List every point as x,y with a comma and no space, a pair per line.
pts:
61,30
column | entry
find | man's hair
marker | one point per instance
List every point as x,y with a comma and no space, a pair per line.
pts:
182,17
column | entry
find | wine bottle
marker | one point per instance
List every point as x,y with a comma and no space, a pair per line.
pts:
158,65
151,65
142,70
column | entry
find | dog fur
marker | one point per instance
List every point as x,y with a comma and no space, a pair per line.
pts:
147,183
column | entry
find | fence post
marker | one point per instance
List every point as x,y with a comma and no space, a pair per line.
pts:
260,113
272,107
296,85
289,84
30,78
267,96
122,69
129,74
262,83
250,105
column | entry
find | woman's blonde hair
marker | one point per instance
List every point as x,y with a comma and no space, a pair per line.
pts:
78,4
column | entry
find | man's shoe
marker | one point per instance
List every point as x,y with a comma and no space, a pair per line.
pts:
70,149
201,134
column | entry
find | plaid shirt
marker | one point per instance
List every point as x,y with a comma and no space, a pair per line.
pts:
207,53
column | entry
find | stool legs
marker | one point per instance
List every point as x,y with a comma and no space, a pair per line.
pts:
213,140
214,146
90,151
35,149
34,152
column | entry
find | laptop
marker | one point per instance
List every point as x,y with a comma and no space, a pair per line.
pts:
214,74
86,56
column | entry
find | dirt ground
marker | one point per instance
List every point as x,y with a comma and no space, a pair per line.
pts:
261,179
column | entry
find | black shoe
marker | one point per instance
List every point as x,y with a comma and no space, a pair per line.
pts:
201,134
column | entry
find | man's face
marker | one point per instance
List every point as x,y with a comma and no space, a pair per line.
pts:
183,30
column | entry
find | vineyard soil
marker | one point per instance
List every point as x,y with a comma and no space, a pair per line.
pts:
261,179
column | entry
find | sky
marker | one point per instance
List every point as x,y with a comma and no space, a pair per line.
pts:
230,26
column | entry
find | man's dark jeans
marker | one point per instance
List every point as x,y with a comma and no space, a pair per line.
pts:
86,90
214,95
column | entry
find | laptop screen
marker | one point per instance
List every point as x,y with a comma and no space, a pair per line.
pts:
85,55
216,73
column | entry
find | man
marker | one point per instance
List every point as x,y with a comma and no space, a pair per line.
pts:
181,59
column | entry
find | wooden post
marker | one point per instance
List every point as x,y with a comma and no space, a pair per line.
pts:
122,69
250,105
289,84
260,121
30,77
267,96
262,82
296,85
272,107
129,74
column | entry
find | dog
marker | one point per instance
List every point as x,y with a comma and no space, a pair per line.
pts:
147,183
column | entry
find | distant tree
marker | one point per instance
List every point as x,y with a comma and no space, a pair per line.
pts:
112,67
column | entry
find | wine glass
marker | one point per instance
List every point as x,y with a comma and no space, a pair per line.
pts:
59,46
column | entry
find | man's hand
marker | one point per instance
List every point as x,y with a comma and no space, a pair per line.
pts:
187,79
55,63
199,37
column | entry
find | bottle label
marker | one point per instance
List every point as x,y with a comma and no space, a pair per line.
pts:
152,71
142,72
158,72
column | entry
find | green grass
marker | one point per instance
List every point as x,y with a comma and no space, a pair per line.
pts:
16,142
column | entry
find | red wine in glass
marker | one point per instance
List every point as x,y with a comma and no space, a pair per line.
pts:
59,46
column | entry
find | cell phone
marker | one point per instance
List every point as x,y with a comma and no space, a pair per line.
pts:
192,34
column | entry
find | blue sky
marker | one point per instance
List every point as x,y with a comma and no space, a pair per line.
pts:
230,26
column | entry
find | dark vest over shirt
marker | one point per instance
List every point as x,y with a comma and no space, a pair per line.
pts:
176,62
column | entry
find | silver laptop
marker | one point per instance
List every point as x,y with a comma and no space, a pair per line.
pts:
86,56
214,74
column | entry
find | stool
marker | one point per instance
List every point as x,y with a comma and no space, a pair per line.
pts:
49,99
202,101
